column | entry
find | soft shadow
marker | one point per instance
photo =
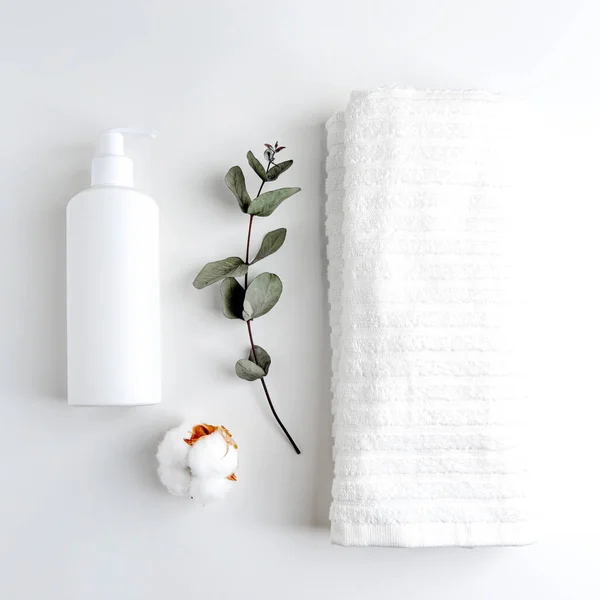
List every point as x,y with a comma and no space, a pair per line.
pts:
309,143
324,466
142,453
34,345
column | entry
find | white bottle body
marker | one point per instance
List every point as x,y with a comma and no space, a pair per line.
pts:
113,298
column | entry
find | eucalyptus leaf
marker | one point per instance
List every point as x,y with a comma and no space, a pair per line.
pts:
233,298
215,271
270,244
262,295
263,360
237,184
246,369
276,170
265,204
257,166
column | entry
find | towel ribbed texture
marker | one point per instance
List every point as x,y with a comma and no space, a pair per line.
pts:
426,436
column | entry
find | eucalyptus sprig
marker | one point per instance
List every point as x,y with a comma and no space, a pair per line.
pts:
257,298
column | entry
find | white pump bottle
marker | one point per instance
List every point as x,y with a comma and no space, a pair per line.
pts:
113,287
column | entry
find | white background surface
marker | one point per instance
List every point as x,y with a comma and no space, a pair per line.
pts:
82,515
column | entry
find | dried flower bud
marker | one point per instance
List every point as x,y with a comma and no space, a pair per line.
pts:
269,153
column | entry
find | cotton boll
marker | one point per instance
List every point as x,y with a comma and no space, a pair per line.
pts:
172,449
172,456
197,460
176,478
207,490
212,456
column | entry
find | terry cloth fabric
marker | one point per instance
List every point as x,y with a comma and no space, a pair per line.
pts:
425,402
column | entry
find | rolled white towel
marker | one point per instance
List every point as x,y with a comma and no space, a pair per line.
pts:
425,402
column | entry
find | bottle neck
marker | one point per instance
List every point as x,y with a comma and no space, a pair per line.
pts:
112,170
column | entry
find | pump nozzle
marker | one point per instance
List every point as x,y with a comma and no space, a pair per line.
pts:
110,166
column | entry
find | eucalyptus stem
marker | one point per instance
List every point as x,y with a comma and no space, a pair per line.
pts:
256,298
262,379
264,385
248,246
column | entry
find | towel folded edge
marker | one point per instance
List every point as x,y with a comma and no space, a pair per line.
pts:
416,535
